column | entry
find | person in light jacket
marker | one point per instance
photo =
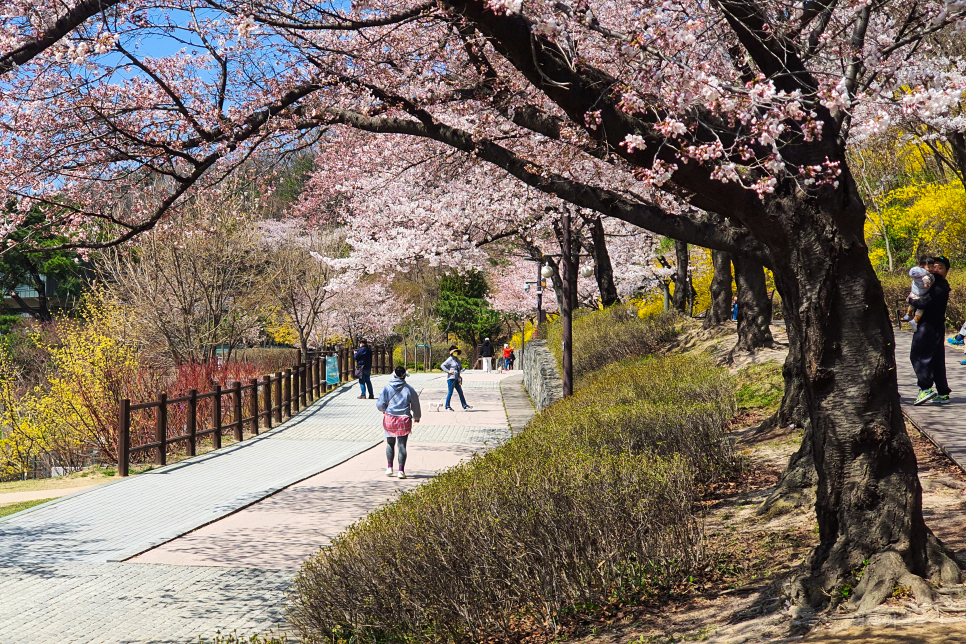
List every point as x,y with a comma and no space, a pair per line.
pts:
453,367
399,404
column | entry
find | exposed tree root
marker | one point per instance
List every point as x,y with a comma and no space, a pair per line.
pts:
886,574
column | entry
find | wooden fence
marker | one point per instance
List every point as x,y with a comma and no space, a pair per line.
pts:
260,403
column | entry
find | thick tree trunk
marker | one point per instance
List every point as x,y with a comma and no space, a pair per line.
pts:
681,286
603,269
40,286
754,305
557,281
721,293
957,141
868,497
796,488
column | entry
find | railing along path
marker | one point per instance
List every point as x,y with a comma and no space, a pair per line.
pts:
259,403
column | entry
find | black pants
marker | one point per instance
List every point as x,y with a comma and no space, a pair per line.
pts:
928,357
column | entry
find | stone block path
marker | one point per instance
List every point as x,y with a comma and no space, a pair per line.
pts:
212,542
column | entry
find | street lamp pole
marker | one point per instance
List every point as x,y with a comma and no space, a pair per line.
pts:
569,292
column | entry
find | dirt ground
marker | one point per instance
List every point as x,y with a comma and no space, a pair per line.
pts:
739,597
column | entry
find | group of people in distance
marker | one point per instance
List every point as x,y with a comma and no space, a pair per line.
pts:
504,362
399,401
927,300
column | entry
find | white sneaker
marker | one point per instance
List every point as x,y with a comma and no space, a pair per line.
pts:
401,474
388,471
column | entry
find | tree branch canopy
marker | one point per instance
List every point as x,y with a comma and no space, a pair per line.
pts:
607,202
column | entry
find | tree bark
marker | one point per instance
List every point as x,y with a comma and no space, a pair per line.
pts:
754,305
721,292
796,487
957,141
868,497
603,269
681,286
43,307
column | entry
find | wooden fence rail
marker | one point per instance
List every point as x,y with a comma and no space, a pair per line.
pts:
258,404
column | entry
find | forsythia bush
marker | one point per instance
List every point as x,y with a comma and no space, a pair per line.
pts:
75,410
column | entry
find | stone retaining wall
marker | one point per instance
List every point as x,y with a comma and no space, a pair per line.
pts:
540,375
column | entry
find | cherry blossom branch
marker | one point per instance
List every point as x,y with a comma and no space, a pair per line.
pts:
604,201
70,20
338,23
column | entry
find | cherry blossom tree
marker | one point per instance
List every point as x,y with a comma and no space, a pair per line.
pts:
299,276
660,114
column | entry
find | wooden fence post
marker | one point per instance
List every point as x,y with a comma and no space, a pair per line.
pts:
340,357
161,431
268,401
287,388
123,437
305,383
216,417
294,389
319,375
192,421
237,409
254,404
278,397
309,383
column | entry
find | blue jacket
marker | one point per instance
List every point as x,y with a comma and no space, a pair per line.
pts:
363,356
399,399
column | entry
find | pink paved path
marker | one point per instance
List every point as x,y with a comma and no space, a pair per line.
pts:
283,530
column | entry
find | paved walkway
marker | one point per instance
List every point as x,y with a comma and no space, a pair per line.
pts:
61,579
945,425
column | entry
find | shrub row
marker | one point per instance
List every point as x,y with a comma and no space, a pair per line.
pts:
592,504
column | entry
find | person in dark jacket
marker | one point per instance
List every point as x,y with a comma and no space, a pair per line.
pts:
928,352
364,368
486,352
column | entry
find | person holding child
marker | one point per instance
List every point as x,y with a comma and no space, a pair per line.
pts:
928,354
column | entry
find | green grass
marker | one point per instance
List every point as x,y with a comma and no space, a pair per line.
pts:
11,508
91,476
759,387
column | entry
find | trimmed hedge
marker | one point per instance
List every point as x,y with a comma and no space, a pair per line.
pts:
593,503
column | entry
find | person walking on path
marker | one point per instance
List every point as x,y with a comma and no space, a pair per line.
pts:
486,352
399,404
453,368
928,354
364,368
505,362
